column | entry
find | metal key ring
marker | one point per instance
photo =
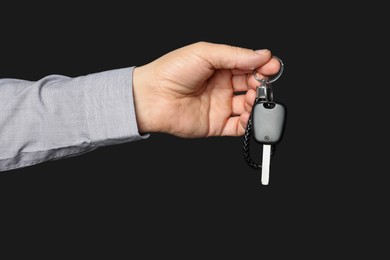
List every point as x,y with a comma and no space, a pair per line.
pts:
269,81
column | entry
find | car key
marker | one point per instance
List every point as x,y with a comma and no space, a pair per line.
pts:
267,122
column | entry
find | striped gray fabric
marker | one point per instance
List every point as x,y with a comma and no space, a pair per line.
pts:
58,116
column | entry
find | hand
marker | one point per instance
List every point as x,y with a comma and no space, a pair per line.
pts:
190,92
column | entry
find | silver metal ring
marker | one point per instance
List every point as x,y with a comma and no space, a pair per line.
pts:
269,81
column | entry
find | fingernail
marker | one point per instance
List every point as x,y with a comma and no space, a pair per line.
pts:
261,51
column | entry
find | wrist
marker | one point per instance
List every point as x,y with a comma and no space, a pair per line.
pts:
151,113
140,94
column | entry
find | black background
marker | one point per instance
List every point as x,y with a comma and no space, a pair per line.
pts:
186,197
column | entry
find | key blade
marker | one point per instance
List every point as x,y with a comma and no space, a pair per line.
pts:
266,164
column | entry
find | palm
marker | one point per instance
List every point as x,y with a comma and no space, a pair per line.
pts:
214,106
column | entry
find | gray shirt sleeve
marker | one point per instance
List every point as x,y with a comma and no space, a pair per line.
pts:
59,117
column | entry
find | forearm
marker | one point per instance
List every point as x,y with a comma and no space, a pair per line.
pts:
59,116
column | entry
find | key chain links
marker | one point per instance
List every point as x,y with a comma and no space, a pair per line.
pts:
264,92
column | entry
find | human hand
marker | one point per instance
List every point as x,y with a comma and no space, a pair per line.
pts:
190,92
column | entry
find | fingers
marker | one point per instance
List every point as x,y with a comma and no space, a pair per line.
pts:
243,103
243,80
222,56
238,106
235,126
270,68
240,83
242,107
240,72
250,97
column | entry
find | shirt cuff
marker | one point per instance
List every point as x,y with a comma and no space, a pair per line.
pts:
109,106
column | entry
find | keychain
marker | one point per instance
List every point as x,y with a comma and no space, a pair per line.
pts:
267,123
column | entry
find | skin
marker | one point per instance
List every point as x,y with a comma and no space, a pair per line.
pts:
190,92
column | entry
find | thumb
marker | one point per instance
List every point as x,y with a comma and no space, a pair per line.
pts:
222,56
